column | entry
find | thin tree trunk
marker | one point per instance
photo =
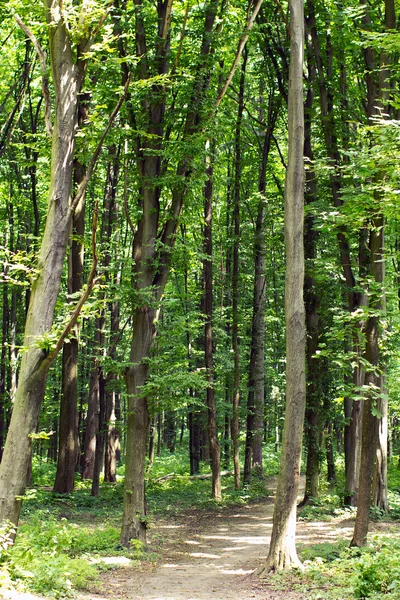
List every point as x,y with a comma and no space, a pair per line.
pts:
235,278
91,426
370,421
313,417
255,398
208,333
100,435
282,551
68,452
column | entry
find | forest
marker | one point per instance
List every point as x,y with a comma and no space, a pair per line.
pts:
199,299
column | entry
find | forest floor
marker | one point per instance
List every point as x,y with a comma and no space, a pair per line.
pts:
212,555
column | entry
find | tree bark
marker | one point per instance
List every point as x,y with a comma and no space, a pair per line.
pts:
39,320
313,420
68,452
235,278
89,448
282,551
352,409
370,421
255,398
152,267
208,336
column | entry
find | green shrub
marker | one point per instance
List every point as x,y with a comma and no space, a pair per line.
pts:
378,572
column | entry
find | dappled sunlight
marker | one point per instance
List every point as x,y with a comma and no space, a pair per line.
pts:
121,561
237,571
204,555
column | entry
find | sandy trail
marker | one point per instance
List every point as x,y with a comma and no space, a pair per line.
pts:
210,556
204,556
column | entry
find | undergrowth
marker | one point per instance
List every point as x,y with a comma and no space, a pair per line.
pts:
62,537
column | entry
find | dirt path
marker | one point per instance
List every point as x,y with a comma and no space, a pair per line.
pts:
205,556
210,556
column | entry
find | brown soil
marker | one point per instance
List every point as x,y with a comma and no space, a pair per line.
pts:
211,555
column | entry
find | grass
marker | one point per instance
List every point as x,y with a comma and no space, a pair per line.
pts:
62,538
334,571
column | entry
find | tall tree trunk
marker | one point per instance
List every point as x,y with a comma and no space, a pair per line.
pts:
374,433
134,518
235,277
255,398
208,332
3,356
89,448
352,409
282,551
100,433
370,424
68,451
150,266
313,420
112,396
39,320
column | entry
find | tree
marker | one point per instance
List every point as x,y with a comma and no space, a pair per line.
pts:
282,551
39,352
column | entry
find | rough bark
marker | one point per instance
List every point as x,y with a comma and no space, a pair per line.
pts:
255,398
89,448
324,75
313,420
235,279
39,320
370,424
208,337
134,517
282,551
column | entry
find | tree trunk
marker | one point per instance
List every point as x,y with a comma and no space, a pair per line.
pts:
330,457
313,420
235,279
134,523
68,425
89,448
3,358
282,551
380,486
352,410
39,320
68,452
100,434
255,398
208,334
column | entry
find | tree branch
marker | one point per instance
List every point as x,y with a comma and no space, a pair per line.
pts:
91,282
183,32
241,45
83,185
43,67
167,19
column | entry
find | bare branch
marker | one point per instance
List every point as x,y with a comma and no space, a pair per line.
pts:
167,19
83,185
178,54
241,45
91,282
126,208
43,67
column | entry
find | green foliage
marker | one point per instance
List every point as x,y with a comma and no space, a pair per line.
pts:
372,572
